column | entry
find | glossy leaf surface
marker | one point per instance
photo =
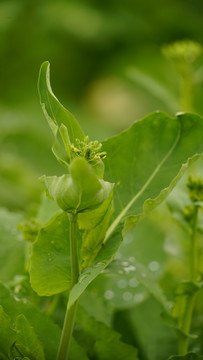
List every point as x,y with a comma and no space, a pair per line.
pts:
145,161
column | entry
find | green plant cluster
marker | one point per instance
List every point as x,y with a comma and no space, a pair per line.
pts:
106,253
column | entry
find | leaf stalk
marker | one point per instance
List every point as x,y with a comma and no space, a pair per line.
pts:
69,320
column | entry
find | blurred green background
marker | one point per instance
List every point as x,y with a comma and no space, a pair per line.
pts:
108,67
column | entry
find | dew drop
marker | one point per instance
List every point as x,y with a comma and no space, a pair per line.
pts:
98,264
120,272
82,278
171,246
121,284
127,296
109,294
133,282
138,297
143,275
125,263
170,305
131,258
129,268
154,266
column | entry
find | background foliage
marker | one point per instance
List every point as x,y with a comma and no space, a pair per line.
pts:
109,69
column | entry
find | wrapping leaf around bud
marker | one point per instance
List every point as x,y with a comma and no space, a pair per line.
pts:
63,124
78,191
69,139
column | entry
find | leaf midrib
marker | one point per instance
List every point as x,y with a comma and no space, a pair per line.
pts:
147,183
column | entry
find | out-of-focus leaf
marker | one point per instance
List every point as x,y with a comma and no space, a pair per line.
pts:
106,343
189,356
153,86
12,246
153,339
7,335
47,332
27,341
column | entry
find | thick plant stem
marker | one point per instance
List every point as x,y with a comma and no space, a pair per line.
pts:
183,339
71,312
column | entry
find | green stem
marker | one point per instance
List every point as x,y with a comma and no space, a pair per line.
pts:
193,268
183,339
71,312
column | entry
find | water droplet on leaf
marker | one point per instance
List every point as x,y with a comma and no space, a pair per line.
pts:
127,296
154,266
121,284
138,297
109,294
133,282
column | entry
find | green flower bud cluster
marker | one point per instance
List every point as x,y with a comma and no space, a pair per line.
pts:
182,51
195,187
88,150
189,212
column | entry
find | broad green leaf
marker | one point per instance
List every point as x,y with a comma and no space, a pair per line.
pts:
92,239
47,332
153,339
80,190
118,350
144,276
189,356
57,115
120,284
147,160
50,260
12,246
77,351
106,343
125,277
102,260
27,341
7,334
